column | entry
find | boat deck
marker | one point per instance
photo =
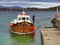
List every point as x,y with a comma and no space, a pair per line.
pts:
51,36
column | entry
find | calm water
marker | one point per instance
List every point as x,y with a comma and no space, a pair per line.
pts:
42,19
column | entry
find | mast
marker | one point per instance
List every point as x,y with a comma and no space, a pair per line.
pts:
57,14
57,5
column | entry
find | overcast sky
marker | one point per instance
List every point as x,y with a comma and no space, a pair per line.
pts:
30,3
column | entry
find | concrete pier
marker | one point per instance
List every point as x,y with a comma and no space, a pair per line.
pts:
51,36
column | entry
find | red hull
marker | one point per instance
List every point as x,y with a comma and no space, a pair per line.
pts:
22,28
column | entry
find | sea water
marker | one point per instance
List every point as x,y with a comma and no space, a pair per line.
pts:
43,19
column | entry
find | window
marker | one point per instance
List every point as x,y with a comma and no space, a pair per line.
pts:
27,18
19,18
23,18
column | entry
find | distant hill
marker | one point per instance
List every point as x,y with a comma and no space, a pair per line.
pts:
3,7
12,7
54,8
44,9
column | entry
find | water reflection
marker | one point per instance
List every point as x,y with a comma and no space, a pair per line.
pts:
22,39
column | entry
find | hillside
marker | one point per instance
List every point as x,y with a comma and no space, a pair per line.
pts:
17,8
44,9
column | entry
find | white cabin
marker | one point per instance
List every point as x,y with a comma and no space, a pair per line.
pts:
21,18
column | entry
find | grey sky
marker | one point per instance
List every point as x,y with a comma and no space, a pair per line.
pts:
30,3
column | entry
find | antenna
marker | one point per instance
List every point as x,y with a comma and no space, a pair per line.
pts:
23,9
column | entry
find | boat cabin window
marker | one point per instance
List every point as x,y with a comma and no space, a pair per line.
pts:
23,18
27,18
19,18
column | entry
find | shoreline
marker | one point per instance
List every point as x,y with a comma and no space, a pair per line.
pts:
27,11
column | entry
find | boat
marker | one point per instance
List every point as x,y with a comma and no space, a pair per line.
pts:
56,19
22,24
